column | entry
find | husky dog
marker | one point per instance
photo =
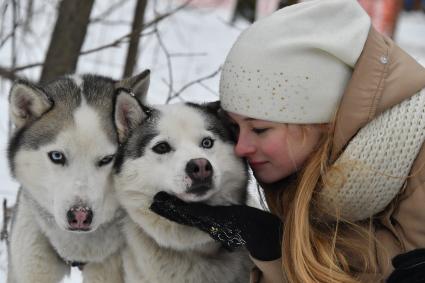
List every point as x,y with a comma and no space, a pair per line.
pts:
62,153
185,150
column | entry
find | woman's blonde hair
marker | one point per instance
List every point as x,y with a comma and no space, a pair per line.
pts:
314,249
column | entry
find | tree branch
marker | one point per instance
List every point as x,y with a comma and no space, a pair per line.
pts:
194,54
113,8
198,81
9,74
126,37
115,43
170,67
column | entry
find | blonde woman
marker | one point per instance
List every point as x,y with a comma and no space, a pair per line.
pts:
331,118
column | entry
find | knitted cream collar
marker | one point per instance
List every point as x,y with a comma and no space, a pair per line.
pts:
376,163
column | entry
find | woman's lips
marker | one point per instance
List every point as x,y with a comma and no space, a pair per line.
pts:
256,164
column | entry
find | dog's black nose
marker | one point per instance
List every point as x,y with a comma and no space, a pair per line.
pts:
199,169
79,218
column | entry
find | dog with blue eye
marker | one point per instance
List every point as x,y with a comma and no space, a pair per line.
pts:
62,152
185,150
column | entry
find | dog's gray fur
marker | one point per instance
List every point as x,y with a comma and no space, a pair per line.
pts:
159,250
72,115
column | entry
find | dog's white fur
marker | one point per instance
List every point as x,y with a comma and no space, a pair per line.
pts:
41,242
159,250
55,188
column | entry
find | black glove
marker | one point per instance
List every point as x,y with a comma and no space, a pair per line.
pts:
233,226
409,267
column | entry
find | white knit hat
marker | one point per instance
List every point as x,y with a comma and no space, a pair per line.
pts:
293,66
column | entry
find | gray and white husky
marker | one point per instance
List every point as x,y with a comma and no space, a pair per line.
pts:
62,152
163,148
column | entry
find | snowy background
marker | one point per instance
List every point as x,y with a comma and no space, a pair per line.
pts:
198,37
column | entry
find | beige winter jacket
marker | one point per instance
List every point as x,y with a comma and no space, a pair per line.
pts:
384,76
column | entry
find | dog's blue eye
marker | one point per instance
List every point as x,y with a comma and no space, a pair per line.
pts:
106,160
162,148
57,157
207,143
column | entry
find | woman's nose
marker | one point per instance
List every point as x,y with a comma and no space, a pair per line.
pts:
244,147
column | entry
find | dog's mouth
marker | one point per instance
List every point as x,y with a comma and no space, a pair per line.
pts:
199,189
197,192
82,229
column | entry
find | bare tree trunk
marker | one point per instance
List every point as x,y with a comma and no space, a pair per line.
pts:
28,15
14,49
15,20
67,38
133,47
245,9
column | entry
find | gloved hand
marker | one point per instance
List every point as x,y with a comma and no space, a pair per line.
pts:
409,267
233,226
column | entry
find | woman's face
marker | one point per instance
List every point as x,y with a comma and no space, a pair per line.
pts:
274,150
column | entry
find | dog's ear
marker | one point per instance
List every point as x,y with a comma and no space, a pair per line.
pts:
138,84
213,107
129,114
27,102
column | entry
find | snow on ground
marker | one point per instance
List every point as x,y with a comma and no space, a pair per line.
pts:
202,32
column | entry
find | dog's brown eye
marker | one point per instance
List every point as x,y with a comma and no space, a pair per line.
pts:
162,148
207,143
106,160
57,157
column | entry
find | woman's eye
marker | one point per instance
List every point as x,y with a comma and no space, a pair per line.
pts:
57,157
207,143
162,148
259,130
106,160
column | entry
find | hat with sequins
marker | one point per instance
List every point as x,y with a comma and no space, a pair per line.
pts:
293,66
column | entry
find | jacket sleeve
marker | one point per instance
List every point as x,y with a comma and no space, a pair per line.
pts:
267,272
